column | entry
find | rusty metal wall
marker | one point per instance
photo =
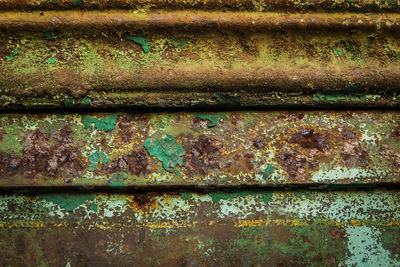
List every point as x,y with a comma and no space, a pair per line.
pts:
199,133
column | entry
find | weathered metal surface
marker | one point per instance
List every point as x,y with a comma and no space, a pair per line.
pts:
234,5
242,188
124,58
300,228
200,149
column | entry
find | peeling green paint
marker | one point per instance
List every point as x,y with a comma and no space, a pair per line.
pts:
269,169
213,118
338,51
70,201
167,150
365,248
86,101
107,123
49,35
95,158
52,60
267,197
185,195
117,179
140,38
12,55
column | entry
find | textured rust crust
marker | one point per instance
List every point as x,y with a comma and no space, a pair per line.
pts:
200,149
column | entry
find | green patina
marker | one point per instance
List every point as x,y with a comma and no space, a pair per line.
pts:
49,35
268,171
97,157
140,38
68,102
227,99
52,60
185,195
12,55
213,118
390,238
167,150
70,201
267,197
11,139
86,101
306,244
338,51
117,179
107,123
179,42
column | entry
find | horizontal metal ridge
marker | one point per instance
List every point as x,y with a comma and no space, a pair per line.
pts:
232,5
183,150
190,229
118,58
194,20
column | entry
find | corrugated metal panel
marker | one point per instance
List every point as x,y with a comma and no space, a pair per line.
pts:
199,133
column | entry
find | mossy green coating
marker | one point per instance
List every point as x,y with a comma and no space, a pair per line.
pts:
140,38
107,123
95,158
213,118
70,201
167,150
179,42
303,244
117,179
268,171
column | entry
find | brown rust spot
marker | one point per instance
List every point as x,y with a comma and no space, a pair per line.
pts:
335,233
396,132
352,152
138,162
203,155
125,124
306,138
144,200
52,156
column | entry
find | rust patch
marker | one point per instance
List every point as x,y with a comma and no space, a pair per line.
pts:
138,162
203,155
306,138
